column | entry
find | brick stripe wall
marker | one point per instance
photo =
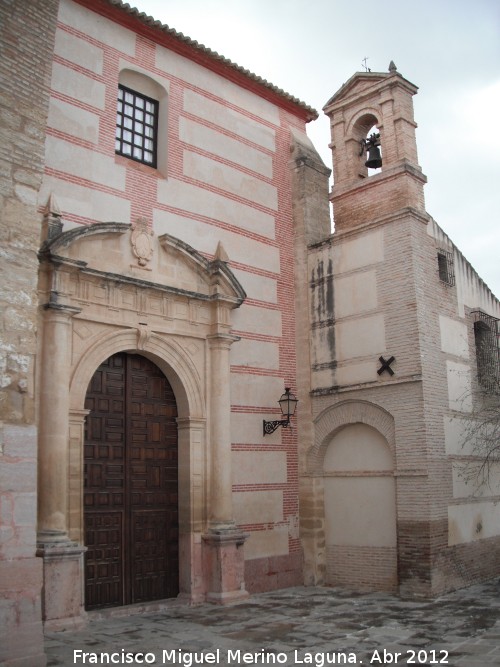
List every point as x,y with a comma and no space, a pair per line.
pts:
145,192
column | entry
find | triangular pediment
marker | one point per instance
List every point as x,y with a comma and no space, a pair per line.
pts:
363,83
357,84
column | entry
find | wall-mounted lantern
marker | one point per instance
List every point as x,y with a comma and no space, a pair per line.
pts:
288,403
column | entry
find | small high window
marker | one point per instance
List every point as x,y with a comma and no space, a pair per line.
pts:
445,267
136,126
486,338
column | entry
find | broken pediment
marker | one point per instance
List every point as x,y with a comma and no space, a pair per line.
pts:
134,255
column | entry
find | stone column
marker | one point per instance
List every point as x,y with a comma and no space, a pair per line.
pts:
224,542
62,558
54,425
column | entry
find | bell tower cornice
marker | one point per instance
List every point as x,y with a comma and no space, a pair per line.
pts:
363,85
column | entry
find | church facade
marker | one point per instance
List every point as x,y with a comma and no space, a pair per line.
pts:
169,273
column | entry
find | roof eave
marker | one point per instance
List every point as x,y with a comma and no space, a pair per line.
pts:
185,46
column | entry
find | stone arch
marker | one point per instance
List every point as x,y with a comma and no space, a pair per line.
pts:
362,121
335,417
166,354
130,485
353,460
184,378
365,130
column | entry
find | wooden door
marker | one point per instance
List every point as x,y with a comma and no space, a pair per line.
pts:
130,486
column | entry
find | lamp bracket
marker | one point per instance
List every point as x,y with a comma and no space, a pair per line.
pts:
271,426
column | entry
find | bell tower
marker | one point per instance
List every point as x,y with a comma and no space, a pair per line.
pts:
367,105
375,320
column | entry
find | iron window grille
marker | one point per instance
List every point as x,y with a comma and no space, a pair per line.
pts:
445,267
487,341
136,126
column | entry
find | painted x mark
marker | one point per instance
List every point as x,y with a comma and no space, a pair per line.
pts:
386,365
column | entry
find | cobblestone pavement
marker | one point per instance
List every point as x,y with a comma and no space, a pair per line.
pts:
304,626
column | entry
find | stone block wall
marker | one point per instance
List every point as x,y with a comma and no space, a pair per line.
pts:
27,39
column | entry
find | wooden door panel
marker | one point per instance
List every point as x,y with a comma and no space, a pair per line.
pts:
104,559
154,571
151,554
130,471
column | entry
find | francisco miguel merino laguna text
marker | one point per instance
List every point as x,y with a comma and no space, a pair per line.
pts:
236,656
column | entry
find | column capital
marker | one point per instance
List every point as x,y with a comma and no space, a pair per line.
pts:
53,306
78,415
222,339
191,422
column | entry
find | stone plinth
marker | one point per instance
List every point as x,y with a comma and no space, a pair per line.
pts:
225,565
63,602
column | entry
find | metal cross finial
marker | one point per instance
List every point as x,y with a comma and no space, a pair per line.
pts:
367,69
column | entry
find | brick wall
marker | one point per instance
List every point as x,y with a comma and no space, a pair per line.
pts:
27,36
375,291
348,564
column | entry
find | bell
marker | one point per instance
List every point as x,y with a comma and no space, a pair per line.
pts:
374,160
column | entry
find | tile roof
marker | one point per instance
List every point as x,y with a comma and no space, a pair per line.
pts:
310,113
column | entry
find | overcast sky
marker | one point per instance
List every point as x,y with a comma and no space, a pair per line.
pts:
450,49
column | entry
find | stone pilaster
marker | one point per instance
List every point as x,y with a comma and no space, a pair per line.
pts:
76,439
224,542
221,506
192,505
312,529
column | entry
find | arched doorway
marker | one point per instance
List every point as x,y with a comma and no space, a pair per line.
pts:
131,521
360,510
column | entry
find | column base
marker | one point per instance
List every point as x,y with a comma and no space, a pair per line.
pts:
225,564
62,603
52,537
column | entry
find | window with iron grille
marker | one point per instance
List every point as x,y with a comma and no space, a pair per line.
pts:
445,267
487,341
136,126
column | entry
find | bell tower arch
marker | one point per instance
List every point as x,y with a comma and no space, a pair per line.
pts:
382,101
